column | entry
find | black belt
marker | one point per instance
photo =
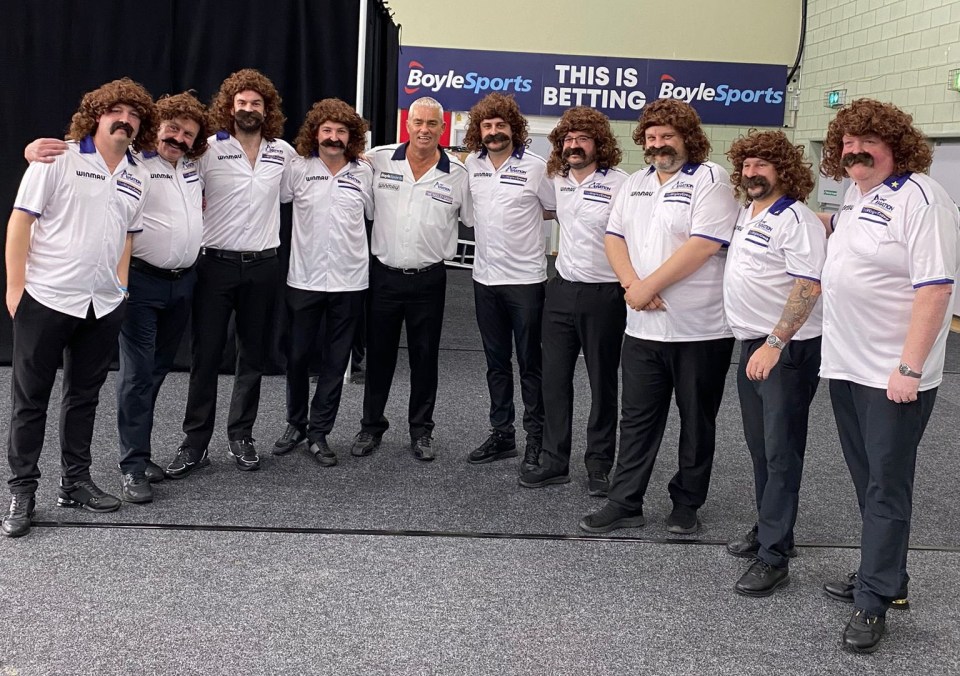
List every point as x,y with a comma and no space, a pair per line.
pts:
242,256
409,271
163,273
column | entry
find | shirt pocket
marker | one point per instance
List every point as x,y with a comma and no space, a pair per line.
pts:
866,240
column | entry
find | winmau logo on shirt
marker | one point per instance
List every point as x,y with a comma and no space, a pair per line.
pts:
318,178
229,157
90,174
155,175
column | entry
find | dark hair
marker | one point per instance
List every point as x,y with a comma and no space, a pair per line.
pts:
911,152
332,110
492,106
682,117
186,105
592,123
793,174
221,108
95,103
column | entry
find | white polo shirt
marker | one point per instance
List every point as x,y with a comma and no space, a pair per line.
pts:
172,214
243,202
415,221
656,220
769,251
886,244
582,211
328,249
508,206
84,212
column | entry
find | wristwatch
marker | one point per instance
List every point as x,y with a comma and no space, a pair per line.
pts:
773,341
905,370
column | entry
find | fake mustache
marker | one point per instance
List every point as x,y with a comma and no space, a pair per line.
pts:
570,152
755,182
866,159
499,137
248,118
122,125
333,143
179,145
653,151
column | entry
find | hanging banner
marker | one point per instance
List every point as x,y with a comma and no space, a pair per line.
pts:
743,94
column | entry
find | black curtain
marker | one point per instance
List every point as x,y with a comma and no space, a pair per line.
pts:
54,51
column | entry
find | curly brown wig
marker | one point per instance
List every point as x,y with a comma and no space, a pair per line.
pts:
793,174
95,103
186,105
592,123
490,107
332,110
911,152
221,108
682,117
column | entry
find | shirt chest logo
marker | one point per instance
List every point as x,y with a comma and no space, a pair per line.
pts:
272,155
128,184
387,176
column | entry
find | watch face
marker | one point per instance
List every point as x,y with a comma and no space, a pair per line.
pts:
904,369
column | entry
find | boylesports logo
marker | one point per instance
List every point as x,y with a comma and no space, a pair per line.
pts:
722,93
472,81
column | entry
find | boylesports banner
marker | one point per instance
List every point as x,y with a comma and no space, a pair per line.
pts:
743,94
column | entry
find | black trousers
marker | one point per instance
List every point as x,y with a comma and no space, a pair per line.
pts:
879,440
156,317
589,317
653,371
225,287
397,299
508,313
336,316
775,412
41,336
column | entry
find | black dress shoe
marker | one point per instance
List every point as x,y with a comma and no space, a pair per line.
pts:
186,461
531,455
364,444
292,437
597,484
682,520
747,546
87,495
422,448
543,476
842,590
244,453
611,517
16,522
320,451
134,487
762,579
154,472
498,446
863,632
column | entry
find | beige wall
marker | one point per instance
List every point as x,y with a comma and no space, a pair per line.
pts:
624,28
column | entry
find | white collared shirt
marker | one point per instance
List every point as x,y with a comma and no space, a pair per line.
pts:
656,220
84,212
886,244
243,202
172,214
582,211
508,206
328,248
769,251
415,221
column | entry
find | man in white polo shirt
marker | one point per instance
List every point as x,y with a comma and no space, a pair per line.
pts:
664,239
771,285
329,260
238,269
510,192
584,309
68,248
887,283
418,193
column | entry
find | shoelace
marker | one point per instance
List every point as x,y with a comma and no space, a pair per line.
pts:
424,441
90,487
289,434
20,503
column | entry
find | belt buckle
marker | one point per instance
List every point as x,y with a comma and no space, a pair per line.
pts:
248,256
410,271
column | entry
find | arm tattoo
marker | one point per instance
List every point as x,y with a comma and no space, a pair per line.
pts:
803,297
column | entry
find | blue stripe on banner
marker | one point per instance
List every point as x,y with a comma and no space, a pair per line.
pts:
870,220
589,199
349,186
127,192
757,243
271,161
677,202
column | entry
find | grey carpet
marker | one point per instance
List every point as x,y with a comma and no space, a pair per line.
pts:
142,602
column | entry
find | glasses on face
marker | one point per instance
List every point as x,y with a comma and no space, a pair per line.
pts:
580,140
